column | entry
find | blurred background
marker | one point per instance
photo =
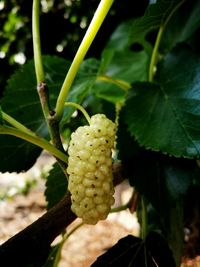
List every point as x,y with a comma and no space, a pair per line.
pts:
63,25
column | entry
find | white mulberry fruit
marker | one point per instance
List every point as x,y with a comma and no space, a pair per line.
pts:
90,169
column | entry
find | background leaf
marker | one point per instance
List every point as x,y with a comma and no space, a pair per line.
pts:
116,68
165,116
84,80
21,101
56,186
129,45
122,253
132,251
164,182
182,25
140,32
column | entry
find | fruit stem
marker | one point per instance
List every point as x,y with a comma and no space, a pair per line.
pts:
120,208
93,28
44,144
79,107
73,230
16,124
122,84
65,237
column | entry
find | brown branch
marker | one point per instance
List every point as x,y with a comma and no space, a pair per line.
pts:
31,246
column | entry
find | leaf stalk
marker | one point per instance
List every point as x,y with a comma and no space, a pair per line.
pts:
16,124
44,144
154,55
93,28
77,106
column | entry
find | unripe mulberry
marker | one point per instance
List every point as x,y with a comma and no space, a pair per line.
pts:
90,169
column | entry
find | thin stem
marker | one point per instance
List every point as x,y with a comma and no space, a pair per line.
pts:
36,42
77,106
94,26
144,218
120,208
34,140
158,40
58,255
73,230
122,84
133,201
16,124
154,53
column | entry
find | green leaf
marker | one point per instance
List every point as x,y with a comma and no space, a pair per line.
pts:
128,66
16,155
119,39
109,92
165,116
138,31
114,64
182,25
161,179
84,80
155,15
56,186
132,251
21,101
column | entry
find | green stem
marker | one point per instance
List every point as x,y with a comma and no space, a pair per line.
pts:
120,208
58,255
34,140
94,26
144,218
154,55
73,230
36,42
77,106
16,124
122,84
